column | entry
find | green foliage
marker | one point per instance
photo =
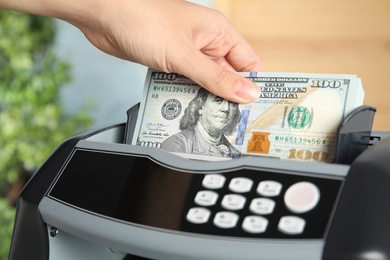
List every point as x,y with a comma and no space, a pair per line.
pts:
33,121
6,218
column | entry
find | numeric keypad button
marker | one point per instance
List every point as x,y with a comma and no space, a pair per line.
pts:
198,215
255,224
269,188
233,202
206,198
240,184
225,219
262,206
291,225
213,181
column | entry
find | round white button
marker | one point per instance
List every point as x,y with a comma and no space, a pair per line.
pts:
302,197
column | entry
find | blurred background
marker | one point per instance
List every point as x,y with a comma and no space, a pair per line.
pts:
322,36
54,83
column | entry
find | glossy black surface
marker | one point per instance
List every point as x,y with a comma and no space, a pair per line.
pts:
139,190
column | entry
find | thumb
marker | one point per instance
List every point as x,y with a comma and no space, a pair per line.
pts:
220,81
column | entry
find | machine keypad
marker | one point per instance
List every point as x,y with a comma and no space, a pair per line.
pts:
299,197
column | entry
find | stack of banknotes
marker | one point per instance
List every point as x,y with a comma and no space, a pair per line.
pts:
296,116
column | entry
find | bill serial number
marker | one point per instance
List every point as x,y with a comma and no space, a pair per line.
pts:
300,140
174,89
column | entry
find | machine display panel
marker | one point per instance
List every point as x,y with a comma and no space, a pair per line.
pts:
136,189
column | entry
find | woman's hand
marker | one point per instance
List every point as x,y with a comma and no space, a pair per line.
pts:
169,35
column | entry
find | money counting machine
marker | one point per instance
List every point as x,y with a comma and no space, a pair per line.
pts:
97,197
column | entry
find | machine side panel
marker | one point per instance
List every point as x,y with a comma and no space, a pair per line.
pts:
30,237
360,228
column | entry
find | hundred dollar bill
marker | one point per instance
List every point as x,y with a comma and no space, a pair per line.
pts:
295,117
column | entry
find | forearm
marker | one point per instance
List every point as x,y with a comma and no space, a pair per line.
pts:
162,34
73,11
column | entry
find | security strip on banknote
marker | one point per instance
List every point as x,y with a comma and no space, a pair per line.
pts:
295,117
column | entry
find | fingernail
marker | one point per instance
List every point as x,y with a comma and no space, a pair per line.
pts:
247,90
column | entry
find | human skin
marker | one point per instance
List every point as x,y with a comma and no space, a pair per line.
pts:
168,35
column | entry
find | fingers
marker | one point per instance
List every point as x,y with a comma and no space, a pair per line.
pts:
215,59
221,82
242,57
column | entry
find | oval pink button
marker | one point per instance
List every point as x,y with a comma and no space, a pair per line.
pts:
302,197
